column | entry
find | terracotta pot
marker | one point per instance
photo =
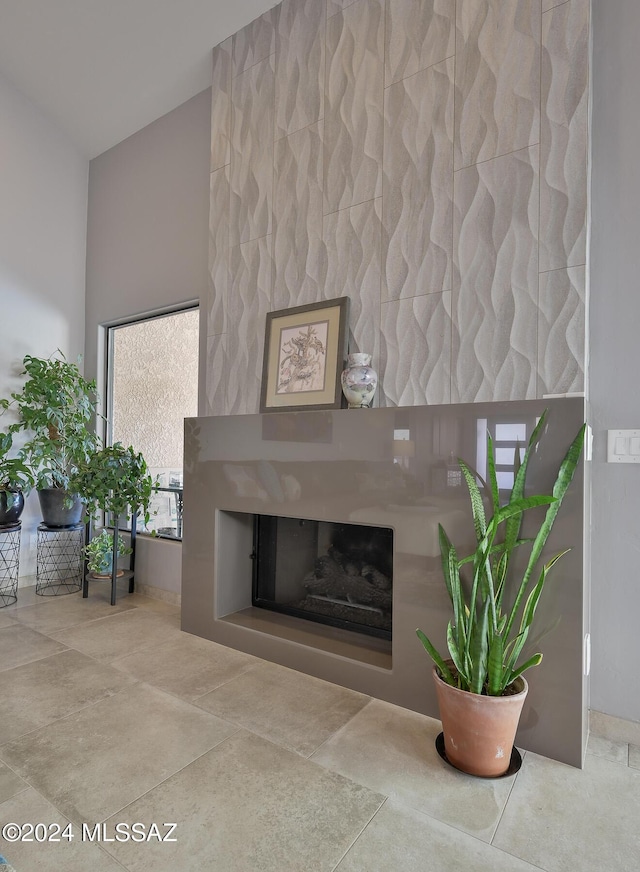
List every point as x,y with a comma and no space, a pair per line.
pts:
479,731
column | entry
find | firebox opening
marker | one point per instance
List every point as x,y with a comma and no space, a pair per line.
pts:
333,573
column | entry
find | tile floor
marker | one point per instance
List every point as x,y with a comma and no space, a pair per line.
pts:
114,716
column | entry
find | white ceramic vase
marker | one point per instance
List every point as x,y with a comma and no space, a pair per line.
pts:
359,381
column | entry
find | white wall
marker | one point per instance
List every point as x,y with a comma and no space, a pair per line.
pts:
147,245
615,356
43,211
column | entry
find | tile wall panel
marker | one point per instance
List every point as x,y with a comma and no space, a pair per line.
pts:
349,174
251,177
334,6
299,65
564,131
216,393
561,331
419,33
299,256
255,42
416,350
418,183
249,302
497,78
221,105
354,105
218,251
495,296
352,237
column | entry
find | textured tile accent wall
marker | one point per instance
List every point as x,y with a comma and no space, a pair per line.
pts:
426,158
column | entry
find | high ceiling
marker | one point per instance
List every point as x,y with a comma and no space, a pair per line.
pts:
102,69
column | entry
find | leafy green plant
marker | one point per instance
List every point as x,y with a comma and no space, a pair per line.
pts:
486,636
56,406
99,551
115,479
15,475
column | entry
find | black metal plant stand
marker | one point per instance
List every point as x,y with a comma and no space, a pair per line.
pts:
9,562
126,574
59,559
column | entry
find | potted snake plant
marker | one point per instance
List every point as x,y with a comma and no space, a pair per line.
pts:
480,685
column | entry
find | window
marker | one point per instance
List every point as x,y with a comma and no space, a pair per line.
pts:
152,387
506,436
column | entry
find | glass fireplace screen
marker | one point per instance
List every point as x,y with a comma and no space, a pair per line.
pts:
338,574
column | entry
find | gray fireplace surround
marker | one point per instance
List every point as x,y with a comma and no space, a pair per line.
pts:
387,467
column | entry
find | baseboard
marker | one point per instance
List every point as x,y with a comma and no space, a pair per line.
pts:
614,729
159,593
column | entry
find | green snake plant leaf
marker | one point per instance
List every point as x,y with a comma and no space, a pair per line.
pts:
493,478
455,652
477,506
479,651
563,480
512,528
536,660
495,665
444,670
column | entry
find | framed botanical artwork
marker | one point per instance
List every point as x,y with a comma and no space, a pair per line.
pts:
304,354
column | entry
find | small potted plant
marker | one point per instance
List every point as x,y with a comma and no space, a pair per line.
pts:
480,686
55,406
99,554
116,480
16,481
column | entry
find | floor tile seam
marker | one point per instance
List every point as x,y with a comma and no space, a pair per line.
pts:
82,623
336,868
38,659
250,668
113,859
26,787
372,699
52,723
624,763
402,803
162,781
504,807
151,647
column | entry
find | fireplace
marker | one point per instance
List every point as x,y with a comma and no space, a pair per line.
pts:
335,574
326,474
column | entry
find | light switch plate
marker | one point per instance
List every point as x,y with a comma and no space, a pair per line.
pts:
623,446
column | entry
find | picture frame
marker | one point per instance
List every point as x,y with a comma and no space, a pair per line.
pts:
304,355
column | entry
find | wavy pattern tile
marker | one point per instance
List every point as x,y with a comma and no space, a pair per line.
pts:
221,105
418,34
561,331
352,238
256,41
334,6
252,153
418,184
218,251
495,297
564,132
354,105
497,78
249,302
217,361
416,350
375,193
299,65
299,256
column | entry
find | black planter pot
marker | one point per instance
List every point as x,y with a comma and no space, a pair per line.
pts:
54,511
11,506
